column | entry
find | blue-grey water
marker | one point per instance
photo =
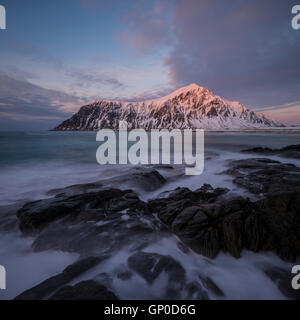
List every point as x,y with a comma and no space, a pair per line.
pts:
31,163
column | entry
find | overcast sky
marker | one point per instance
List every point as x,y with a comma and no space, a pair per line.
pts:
56,55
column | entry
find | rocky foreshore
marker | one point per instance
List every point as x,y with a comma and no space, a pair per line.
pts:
95,220
292,151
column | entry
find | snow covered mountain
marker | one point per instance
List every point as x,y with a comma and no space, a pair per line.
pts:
189,107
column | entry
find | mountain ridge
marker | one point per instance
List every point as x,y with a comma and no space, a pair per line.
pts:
189,107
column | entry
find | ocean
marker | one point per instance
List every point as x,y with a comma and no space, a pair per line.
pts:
32,163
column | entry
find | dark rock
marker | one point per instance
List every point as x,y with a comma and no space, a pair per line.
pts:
195,292
281,216
198,221
211,286
35,216
256,234
180,194
205,242
261,175
76,189
292,151
112,232
138,178
283,279
105,279
124,275
150,265
162,166
206,220
232,231
169,212
207,192
8,221
183,218
258,150
210,223
85,290
50,285
198,218
183,248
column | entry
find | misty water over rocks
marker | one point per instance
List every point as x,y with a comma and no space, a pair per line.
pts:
122,232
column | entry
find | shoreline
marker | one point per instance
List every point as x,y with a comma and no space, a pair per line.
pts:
208,223
223,221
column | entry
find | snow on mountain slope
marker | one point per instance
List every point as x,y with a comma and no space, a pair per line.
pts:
189,107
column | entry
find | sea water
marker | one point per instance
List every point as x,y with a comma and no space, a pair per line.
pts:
31,163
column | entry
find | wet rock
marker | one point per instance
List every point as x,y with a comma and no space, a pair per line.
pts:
85,290
138,178
110,233
162,166
207,192
198,221
105,279
281,216
35,216
256,234
232,230
211,286
8,221
210,223
182,204
195,292
206,221
260,175
168,210
183,218
150,265
77,189
205,242
183,248
124,275
292,151
283,279
50,285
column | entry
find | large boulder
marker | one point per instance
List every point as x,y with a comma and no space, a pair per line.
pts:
150,265
280,214
261,175
136,178
52,284
85,290
292,151
35,216
209,223
283,278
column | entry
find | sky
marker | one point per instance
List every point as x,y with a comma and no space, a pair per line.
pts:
56,56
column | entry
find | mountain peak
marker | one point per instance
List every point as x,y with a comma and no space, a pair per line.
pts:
189,107
192,86
178,92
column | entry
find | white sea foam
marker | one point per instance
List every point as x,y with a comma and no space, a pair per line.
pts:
25,268
31,179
